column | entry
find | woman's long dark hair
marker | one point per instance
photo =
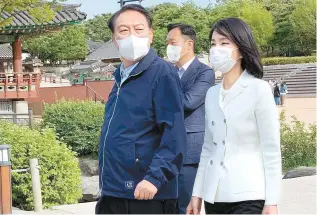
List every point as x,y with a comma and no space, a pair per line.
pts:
240,33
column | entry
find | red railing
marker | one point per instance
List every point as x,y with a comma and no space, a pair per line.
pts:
19,85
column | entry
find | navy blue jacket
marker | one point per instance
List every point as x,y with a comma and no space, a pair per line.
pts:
196,81
143,135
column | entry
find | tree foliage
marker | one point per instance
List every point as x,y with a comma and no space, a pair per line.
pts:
252,12
43,11
68,44
97,28
303,21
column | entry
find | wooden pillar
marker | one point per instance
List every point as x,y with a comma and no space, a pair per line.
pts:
17,55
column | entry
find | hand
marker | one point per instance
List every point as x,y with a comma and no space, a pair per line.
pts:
194,206
145,191
270,209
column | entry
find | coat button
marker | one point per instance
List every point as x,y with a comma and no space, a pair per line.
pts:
225,121
224,142
215,143
213,123
221,164
211,162
137,160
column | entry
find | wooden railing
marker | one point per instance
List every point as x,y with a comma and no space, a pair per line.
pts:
96,97
19,85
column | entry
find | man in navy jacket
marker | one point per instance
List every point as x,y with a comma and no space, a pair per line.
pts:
196,78
142,138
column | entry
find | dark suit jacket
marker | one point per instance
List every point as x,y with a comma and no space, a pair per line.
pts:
196,81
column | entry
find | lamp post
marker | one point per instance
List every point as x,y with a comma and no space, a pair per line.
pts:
122,2
5,181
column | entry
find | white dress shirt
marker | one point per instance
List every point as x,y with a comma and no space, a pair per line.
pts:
241,156
183,68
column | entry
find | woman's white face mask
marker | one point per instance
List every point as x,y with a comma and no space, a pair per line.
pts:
221,59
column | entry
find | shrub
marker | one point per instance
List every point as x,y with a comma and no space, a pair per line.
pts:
59,170
77,123
288,60
298,144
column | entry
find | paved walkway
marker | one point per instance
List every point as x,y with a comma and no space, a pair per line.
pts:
298,197
303,108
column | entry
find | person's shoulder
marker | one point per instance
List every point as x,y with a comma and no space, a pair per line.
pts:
261,87
214,91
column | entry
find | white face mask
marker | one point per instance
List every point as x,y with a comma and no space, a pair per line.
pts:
173,53
133,48
221,59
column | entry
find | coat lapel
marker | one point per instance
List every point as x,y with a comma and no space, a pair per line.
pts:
236,89
190,71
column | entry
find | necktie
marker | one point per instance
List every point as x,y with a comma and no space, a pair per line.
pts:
181,72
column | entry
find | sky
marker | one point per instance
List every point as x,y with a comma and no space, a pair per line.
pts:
96,7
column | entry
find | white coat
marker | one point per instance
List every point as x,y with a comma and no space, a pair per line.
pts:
241,156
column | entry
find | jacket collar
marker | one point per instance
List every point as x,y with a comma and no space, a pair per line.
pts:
144,64
190,71
236,89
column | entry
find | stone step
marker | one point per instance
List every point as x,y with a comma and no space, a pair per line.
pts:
297,91
302,81
301,78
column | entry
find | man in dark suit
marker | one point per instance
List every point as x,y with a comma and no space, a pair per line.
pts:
196,79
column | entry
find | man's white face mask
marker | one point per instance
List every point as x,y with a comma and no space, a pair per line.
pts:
133,48
173,53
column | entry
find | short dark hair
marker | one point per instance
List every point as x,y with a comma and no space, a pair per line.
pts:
134,7
186,30
240,33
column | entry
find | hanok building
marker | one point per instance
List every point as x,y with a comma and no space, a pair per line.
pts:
18,84
100,64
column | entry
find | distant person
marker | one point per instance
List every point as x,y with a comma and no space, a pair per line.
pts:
283,92
143,136
240,166
277,94
196,78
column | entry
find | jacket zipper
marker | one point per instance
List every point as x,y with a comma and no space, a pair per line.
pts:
104,142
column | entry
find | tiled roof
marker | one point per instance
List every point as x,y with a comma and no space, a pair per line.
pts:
23,21
6,51
92,46
105,52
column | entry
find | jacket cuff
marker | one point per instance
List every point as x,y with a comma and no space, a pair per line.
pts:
153,181
271,202
272,199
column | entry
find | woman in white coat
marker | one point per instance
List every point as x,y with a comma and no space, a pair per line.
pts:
240,166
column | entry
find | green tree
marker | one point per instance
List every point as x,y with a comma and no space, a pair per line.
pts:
188,13
43,11
253,13
303,20
68,44
163,15
283,38
97,28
